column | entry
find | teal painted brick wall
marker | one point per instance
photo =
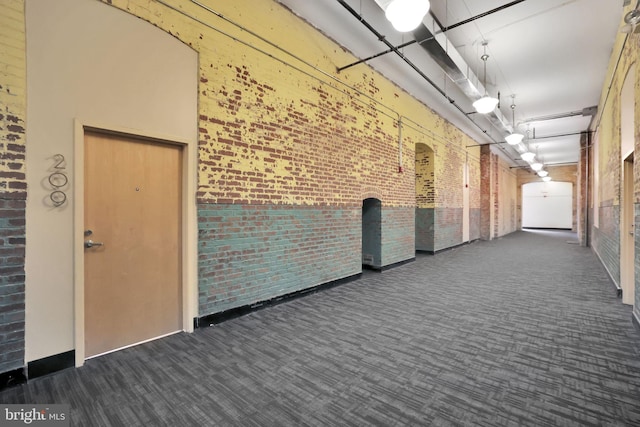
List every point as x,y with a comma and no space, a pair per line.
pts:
606,239
398,234
448,228
474,224
252,253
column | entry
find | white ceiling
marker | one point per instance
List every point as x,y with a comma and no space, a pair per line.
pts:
551,54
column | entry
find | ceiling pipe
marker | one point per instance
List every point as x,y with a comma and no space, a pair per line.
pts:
397,51
451,62
443,30
588,111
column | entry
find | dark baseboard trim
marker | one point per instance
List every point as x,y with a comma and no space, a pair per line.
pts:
613,282
51,364
439,251
387,267
215,318
546,228
12,378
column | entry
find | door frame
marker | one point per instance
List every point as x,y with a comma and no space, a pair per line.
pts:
189,223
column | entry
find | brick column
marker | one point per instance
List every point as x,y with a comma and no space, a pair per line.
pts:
582,208
486,199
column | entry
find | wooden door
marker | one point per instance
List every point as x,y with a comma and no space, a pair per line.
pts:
132,197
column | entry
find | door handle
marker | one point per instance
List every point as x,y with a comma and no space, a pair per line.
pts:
90,243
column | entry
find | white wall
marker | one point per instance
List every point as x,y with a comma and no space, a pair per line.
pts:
547,205
89,61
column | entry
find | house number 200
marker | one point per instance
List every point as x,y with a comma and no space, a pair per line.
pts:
58,180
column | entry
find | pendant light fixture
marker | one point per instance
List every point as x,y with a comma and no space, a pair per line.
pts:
514,138
486,104
406,15
528,156
542,173
537,166
546,179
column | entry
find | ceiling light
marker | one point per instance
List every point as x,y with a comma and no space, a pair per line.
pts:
514,138
546,179
406,15
528,156
542,173
537,166
486,104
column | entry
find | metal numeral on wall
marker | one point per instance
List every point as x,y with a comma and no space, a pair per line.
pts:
58,179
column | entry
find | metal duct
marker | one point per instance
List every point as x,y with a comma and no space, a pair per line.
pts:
435,43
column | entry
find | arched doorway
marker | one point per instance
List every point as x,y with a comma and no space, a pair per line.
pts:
372,233
425,198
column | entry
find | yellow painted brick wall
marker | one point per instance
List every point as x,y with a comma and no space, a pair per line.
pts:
274,130
12,99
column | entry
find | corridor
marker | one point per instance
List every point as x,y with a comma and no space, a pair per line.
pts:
524,330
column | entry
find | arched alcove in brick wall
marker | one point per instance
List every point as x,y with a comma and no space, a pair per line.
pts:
425,198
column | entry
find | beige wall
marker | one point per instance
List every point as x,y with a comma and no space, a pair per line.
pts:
90,62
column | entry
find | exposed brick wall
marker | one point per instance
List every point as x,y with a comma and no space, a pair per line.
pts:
447,228
278,136
605,237
251,253
398,237
487,161
474,224
12,184
425,180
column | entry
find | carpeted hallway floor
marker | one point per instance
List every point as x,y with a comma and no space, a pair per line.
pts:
525,330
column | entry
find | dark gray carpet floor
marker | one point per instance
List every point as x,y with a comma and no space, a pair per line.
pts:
525,330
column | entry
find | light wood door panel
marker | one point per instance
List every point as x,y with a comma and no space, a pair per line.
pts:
133,206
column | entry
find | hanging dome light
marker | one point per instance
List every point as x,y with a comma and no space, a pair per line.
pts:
528,156
546,179
542,174
486,104
514,138
537,166
406,15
